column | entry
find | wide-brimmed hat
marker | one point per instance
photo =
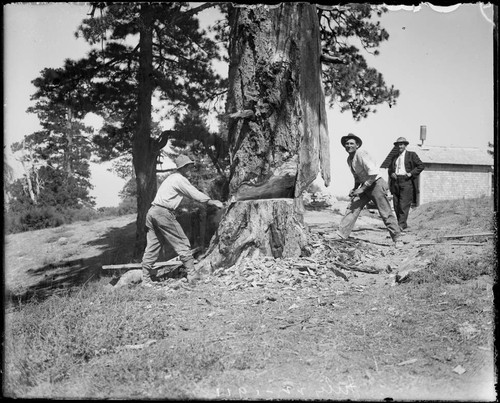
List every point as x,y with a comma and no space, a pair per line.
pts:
401,140
182,160
351,136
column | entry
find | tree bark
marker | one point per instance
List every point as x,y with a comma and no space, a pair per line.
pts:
30,172
144,152
277,130
256,228
69,137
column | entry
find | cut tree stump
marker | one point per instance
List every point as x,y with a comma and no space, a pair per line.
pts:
255,228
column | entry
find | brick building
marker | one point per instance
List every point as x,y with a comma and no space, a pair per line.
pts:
451,173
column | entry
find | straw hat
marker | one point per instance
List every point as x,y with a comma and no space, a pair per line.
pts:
182,160
351,136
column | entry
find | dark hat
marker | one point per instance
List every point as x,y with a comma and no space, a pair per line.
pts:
182,160
351,136
401,140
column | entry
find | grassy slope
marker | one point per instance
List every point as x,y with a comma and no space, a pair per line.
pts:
292,336
38,262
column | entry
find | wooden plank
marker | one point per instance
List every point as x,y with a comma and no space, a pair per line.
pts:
174,262
468,235
453,243
171,263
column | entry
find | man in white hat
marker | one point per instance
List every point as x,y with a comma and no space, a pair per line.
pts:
162,225
368,185
403,172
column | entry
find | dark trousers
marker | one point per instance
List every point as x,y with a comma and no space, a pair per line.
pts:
163,227
402,199
378,195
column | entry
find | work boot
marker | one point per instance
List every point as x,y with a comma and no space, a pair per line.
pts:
149,277
146,282
183,272
193,276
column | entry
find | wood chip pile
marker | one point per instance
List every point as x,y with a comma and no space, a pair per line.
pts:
328,261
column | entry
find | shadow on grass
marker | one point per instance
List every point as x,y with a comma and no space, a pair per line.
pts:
114,247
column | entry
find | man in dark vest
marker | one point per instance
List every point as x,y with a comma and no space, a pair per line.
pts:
403,172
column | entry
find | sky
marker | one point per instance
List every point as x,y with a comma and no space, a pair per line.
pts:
440,59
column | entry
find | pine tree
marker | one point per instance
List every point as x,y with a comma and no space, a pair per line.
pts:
168,57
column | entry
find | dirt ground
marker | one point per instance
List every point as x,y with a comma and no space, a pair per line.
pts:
344,323
322,363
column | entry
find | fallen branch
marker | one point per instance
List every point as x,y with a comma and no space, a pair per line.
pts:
311,266
367,241
338,273
356,268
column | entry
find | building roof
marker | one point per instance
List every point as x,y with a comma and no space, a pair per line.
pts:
446,155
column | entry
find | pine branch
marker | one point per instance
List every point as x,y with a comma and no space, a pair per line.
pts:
331,59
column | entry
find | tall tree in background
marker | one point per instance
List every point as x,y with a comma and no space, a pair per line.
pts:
348,80
8,178
64,141
56,158
169,57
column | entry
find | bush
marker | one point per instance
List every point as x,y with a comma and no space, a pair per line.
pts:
40,217
81,214
127,206
108,211
33,218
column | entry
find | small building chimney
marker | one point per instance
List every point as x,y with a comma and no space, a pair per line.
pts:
423,134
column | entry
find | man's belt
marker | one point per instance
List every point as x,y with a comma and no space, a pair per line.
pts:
403,177
159,205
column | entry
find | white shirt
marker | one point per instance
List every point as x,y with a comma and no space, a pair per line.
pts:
364,168
400,164
174,188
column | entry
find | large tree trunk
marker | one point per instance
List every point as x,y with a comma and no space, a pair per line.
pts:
277,131
254,228
144,152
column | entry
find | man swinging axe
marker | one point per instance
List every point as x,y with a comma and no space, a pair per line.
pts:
162,225
368,185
